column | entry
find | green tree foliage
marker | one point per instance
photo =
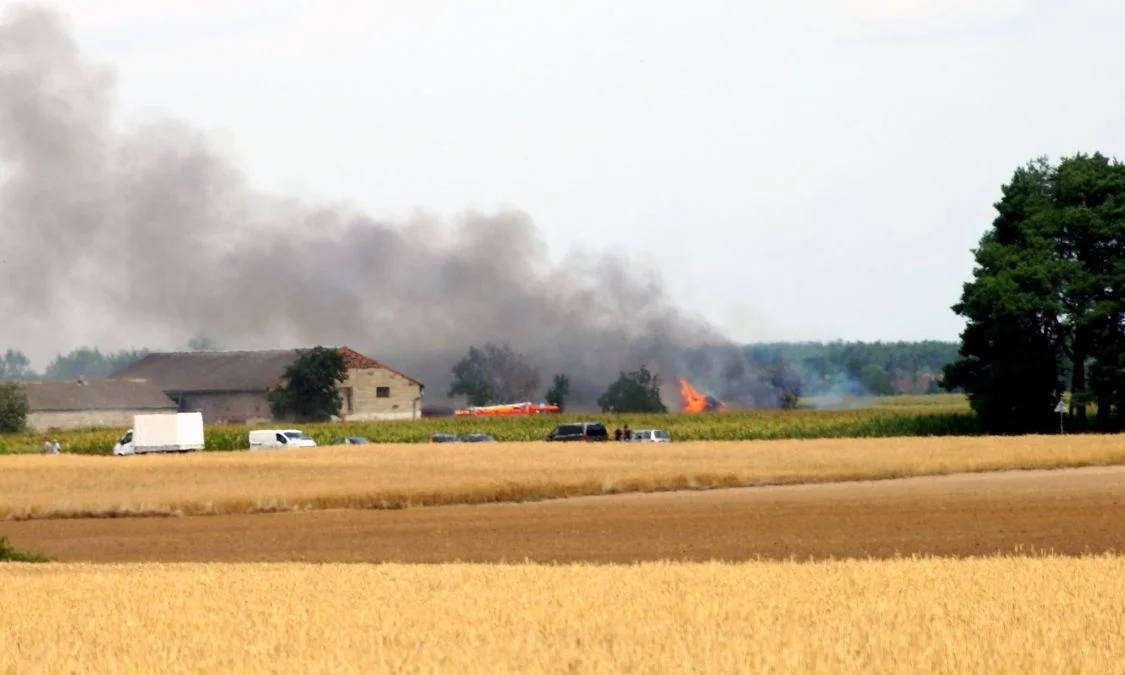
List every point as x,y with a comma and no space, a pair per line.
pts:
1047,299
876,380
91,363
13,407
786,380
638,391
310,387
15,365
494,374
559,391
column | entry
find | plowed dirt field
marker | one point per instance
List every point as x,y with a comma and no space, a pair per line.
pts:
1069,511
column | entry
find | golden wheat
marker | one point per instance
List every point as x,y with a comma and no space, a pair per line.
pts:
998,615
394,476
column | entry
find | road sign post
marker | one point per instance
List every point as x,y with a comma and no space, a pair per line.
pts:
1060,408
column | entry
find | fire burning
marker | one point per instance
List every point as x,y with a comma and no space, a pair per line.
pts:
695,401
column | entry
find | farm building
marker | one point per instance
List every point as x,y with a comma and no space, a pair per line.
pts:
58,405
232,387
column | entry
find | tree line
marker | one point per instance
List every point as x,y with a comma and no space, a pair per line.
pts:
866,367
861,368
496,373
90,362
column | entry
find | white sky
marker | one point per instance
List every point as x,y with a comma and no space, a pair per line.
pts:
816,171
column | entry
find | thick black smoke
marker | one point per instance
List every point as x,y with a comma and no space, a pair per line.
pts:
150,236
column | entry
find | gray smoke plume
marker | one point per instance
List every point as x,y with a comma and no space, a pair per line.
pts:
147,237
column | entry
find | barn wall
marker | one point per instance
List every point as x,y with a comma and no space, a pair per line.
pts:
45,421
228,408
366,404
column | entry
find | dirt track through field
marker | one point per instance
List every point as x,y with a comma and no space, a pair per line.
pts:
1071,511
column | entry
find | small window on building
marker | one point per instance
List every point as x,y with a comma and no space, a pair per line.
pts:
382,392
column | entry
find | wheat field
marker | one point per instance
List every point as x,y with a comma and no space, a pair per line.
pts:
995,615
397,476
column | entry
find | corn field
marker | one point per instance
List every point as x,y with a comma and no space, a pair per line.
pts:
729,426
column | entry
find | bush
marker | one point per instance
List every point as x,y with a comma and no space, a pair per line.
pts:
635,392
13,407
9,554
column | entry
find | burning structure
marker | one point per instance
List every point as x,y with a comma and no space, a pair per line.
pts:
694,401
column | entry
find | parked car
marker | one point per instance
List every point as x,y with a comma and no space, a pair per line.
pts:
650,436
351,440
579,431
280,438
443,438
476,438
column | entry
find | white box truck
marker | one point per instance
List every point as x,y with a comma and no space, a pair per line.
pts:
168,432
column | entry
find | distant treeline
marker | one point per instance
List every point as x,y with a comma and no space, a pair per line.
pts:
89,362
861,368
84,361
827,368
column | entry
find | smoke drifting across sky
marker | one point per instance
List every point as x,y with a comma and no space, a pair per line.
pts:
147,237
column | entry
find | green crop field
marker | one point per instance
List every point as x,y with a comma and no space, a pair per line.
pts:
907,416
951,402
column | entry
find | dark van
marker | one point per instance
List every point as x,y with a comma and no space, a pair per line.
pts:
579,431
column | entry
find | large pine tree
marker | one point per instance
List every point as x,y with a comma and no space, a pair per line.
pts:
1046,299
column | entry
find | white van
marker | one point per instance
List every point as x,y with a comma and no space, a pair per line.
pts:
279,438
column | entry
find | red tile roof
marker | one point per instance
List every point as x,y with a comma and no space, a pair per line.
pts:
355,360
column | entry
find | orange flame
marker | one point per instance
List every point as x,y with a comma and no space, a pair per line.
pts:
695,401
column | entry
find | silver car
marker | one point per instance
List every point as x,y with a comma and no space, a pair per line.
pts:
650,436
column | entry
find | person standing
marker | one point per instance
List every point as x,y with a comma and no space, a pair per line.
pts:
626,435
